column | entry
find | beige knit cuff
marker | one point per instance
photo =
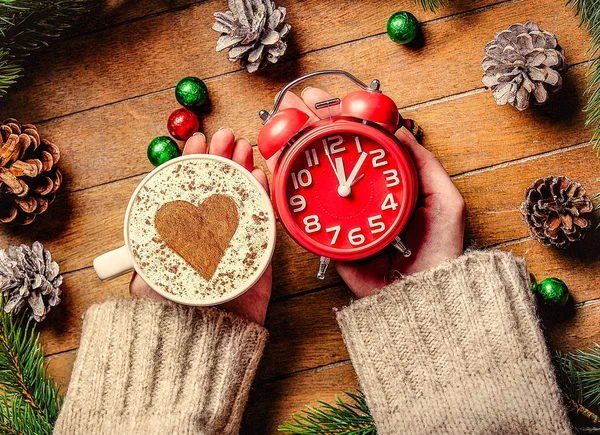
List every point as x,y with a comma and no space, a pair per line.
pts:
146,367
455,350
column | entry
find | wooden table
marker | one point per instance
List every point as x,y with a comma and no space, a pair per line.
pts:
105,91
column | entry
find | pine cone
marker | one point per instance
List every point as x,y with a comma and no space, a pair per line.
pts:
523,61
28,174
557,211
29,280
254,32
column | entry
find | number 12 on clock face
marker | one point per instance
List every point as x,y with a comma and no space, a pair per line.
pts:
344,191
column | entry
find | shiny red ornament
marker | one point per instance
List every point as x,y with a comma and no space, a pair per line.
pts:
182,124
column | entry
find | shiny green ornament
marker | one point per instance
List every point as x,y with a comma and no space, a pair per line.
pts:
162,149
552,290
191,92
402,27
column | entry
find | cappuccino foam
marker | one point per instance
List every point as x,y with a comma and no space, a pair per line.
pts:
194,181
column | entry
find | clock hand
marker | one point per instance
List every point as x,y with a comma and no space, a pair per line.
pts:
339,165
354,173
356,181
340,180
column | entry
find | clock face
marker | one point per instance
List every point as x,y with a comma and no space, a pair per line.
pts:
347,194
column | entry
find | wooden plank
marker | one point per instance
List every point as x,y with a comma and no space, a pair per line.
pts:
60,367
117,69
110,13
472,132
100,146
273,403
579,331
493,197
577,267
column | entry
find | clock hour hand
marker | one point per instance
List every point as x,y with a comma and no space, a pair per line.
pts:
354,173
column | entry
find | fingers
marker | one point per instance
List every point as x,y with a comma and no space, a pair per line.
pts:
222,143
260,175
311,96
292,100
242,154
433,178
195,145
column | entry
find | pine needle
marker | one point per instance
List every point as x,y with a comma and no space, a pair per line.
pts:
589,12
29,402
9,72
27,25
343,418
433,5
579,376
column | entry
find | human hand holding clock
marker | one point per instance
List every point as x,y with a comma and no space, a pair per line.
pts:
352,165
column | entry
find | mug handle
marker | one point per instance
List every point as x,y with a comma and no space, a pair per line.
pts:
113,263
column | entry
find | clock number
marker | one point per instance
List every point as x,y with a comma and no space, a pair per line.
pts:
299,202
336,233
378,155
311,223
391,176
355,237
376,227
389,203
358,146
335,145
303,178
311,157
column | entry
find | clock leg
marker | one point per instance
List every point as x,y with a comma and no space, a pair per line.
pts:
323,264
399,245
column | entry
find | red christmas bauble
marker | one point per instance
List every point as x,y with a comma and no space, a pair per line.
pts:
183,123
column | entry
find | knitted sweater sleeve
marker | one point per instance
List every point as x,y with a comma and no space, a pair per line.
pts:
455,350
146,367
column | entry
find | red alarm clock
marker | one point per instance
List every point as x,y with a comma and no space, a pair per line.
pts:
345,187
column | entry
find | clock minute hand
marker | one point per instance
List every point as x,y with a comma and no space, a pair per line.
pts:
337,175
356,168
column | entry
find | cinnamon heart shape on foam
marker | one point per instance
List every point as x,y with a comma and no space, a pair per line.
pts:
200,235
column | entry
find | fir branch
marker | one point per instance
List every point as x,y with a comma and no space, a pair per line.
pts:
433,5
343,418
579,376
9,72
589,12
26,25
29,402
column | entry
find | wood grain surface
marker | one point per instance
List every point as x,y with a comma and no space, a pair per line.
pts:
106,89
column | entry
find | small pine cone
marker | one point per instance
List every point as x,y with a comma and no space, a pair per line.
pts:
557,211
29,178
523,62
253,31
29,280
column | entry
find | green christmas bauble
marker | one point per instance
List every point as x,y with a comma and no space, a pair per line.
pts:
162,149
402,27
191,92
553,291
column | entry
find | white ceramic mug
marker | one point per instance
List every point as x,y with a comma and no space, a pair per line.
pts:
121,260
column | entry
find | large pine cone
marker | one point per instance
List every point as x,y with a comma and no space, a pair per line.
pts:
28,174
557,211
522,62
254,32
